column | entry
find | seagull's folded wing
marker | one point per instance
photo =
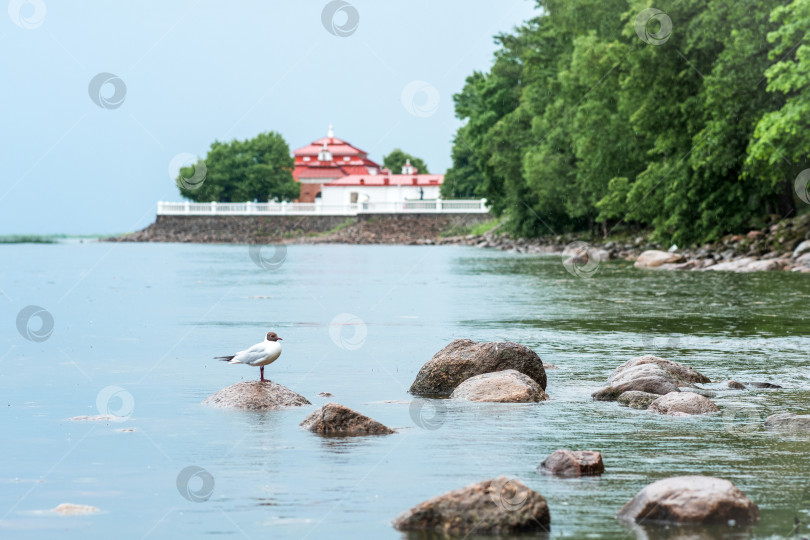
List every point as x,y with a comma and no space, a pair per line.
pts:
254,354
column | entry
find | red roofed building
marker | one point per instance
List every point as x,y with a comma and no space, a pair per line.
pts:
327,160
383,188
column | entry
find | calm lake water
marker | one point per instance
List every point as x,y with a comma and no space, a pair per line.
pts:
135,328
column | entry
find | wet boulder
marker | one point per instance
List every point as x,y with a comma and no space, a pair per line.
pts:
736,385
683,403
337,420
690,499
256,395
573,463
637,400
788,422
508,386
464,358
683,375
499,506
649,374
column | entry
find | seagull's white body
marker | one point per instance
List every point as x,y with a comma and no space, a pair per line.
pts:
261,354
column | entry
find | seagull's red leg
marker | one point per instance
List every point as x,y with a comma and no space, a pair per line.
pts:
261,372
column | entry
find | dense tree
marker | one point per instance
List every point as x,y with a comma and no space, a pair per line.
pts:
397,158
257,169
464,179
595,115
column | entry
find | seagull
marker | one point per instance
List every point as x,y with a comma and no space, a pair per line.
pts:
261,354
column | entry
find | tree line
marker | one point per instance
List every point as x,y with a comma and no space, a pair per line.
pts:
689,119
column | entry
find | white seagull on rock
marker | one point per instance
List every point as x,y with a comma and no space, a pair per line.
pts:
261,354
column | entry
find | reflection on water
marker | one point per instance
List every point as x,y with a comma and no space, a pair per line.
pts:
148,319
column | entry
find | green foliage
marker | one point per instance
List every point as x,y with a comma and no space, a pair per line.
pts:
27,239
580,122
257,169
397,158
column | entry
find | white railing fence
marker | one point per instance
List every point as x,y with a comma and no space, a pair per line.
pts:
437,206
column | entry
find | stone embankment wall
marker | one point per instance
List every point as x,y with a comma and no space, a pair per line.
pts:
362,229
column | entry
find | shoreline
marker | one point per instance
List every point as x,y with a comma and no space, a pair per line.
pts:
784,245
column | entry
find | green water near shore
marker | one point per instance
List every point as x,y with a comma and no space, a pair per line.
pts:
148,318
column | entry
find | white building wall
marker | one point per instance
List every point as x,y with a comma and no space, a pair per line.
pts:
341,195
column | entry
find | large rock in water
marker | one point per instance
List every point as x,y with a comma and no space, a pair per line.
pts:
464,358
683,375
335,419
683,403
690,499
256,395
508,386
573,463
648,374
788,422
655,258
496,506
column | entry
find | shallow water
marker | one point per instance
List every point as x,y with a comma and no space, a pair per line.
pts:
146,320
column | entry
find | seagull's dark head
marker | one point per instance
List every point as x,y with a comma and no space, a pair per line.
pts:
272,336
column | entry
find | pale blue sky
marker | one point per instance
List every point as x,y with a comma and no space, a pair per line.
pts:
196,71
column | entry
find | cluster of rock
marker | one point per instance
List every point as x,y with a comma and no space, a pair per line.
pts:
655,384
507,506
784,245
503,372
798,261
507,372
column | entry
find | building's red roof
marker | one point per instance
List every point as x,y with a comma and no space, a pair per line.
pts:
332,170
336,146
389,180
358,162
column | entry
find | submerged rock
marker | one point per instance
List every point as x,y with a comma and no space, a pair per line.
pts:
256,395
496,506
649,385
607,393
763,385
573,463
464,358
683,403
788,422
335,419
70,509
690,499
637,400
654,258
508,386
735,385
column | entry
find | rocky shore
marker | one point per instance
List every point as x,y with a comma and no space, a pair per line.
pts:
785,245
